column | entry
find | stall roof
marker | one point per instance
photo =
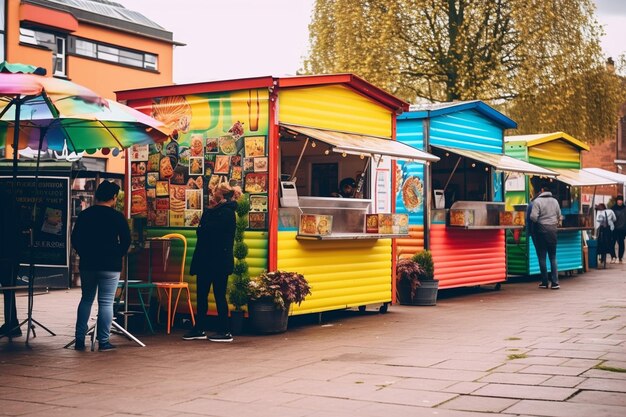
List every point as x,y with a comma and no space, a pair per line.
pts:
350,80
502,162
422,111
363,145
537,139
615,176
581,178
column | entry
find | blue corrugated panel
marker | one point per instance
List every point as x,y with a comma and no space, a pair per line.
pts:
466,130
410,132
569,255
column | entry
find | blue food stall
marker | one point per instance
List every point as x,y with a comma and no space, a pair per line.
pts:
562,154
463,220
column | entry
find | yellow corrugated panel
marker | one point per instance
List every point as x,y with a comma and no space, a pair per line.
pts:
557,150
342,273
334,107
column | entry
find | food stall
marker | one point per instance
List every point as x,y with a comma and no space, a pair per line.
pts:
463,220
288,142
562,154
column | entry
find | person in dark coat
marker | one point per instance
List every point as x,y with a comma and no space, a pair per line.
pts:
101,237
213,261
619,233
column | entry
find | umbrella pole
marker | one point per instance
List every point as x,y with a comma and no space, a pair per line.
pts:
31,281
14,251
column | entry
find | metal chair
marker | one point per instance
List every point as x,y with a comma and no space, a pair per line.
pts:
165,289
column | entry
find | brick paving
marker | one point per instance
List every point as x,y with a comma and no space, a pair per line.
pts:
520,351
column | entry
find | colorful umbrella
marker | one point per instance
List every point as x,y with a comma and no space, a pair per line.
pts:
53,112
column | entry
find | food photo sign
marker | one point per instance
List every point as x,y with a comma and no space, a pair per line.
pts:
216,138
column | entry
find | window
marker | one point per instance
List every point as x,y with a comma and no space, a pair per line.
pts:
92,49
51,41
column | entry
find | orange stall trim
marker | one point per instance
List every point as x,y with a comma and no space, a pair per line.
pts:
409,246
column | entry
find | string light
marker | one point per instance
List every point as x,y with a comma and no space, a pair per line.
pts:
447,153
362,156
344,154
313,144
327,151
473,165
486,169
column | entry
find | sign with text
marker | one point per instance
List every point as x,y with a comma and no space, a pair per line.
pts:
47,231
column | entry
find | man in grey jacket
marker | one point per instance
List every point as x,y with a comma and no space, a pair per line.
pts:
545,215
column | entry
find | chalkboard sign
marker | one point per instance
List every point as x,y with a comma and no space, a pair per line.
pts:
50,242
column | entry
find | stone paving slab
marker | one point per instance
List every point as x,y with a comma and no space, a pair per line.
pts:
451,360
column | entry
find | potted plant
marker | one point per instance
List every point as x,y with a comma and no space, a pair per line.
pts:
240,279
416,281
426,294
270,296
407,279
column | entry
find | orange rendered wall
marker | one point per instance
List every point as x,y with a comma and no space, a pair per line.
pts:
102,77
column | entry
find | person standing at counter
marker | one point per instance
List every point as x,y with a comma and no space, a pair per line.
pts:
101,238
347,187
545,215
213,261
619,233
606,225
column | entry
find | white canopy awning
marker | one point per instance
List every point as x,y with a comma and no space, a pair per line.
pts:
501,162
615,176
581,178
354,144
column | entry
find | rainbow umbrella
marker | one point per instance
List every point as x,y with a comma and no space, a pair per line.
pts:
51,112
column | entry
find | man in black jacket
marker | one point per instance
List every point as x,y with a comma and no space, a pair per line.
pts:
101,238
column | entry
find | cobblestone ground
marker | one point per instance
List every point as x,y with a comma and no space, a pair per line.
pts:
520,351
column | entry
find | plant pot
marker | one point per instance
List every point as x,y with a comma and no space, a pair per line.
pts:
403,290
265,318
426,294
236,321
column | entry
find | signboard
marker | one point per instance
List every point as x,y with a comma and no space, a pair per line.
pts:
49,230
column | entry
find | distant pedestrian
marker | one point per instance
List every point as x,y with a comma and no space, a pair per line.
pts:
619,233
101,238
545,215
606,224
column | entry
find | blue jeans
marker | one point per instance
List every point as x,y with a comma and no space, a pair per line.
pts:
545,240
105,283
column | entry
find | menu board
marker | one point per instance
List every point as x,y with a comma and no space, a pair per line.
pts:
49,198
173,182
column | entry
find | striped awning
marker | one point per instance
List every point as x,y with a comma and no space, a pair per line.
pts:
581,178
615,176
353,144
501,162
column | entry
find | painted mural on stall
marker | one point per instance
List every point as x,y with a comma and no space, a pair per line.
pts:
217,137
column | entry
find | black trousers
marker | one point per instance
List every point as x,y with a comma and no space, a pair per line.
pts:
203,286
6,280
618,236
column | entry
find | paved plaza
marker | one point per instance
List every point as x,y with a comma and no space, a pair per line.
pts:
520,351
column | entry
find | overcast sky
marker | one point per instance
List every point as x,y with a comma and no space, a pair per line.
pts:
229,39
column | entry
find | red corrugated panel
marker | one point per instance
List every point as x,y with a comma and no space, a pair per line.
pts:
466,258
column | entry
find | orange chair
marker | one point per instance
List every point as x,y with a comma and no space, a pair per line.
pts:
166,289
